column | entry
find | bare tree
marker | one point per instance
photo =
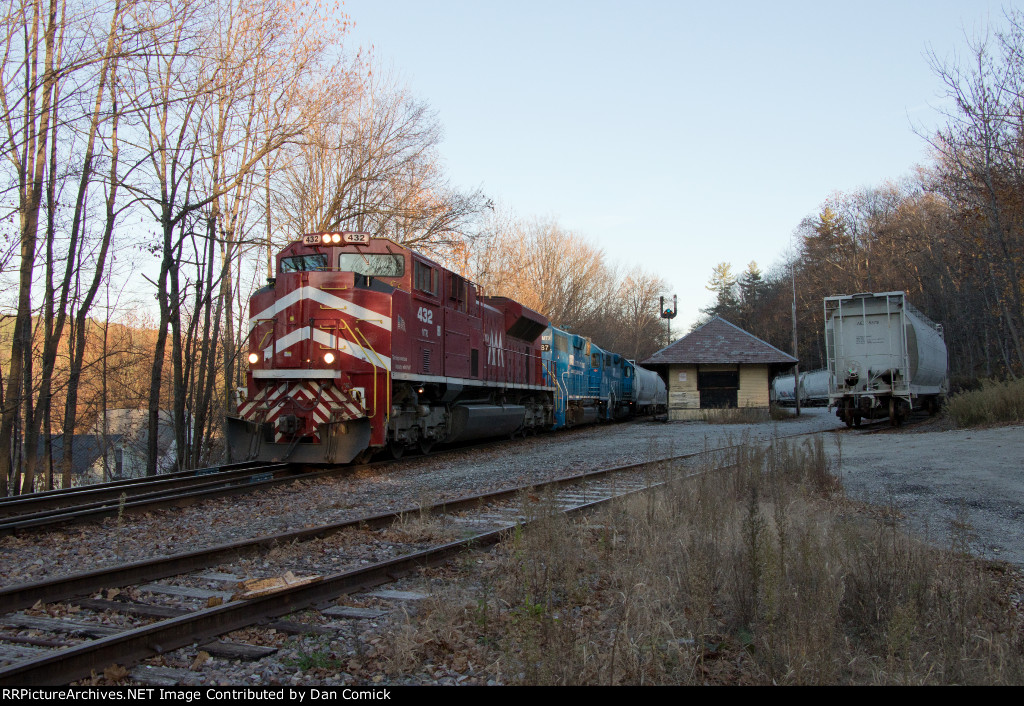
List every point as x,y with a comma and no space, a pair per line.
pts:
371,164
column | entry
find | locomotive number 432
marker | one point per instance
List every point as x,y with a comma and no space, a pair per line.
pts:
425,315
328,238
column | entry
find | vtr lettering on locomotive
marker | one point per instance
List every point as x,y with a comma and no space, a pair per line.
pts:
322,388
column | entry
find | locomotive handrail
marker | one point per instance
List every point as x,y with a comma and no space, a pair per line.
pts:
559,386
269,333
356,334
388,377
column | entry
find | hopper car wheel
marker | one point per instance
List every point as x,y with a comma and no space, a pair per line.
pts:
856,420
395,450
895,412
426,446
848,416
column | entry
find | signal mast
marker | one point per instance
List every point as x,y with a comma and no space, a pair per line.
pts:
669,313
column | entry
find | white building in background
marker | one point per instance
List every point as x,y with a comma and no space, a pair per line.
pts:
116,447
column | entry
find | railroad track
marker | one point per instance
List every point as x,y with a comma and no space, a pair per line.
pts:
52,508
88,503
154,615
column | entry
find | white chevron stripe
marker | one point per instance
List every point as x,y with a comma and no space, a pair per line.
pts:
326,299
329,401
331,341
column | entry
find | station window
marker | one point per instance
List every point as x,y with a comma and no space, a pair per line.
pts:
426,279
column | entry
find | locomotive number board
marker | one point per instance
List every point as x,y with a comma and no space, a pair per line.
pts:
328,238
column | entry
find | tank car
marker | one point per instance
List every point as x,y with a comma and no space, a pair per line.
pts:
782,390
813,389
885,358
649,393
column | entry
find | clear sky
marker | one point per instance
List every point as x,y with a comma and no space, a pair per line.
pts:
675,135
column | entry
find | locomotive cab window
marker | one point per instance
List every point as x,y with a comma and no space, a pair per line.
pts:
457,292
304,263
372,265
425,278
595,360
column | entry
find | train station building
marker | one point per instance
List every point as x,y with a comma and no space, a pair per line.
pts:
717,366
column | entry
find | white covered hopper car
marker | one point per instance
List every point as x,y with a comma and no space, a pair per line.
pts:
885,358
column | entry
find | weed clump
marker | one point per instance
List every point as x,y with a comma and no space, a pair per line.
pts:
756,571
736,415
994,403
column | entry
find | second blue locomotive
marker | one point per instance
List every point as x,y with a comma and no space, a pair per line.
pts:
593,384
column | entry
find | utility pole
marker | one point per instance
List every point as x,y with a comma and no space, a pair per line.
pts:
669,314
796,369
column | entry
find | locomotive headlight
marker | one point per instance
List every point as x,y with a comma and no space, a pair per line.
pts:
328,358
254,358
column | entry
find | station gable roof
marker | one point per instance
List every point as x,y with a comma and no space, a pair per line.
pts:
719,341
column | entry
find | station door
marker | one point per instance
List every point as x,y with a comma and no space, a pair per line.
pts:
719,389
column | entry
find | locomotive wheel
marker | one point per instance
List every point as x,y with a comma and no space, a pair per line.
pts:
364,456
426,446
856,420
395,450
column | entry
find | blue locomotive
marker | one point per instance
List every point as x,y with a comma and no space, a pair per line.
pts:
593,384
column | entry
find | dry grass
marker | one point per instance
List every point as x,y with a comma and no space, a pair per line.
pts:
735,415
757,573
994,403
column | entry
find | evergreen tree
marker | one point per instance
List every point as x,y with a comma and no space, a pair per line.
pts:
723,284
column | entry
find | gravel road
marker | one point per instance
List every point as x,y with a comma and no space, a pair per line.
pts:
937,477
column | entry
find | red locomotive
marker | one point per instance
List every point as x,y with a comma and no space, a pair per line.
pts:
360,345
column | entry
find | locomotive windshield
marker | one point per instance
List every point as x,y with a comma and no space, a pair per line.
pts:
304,263
372,265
